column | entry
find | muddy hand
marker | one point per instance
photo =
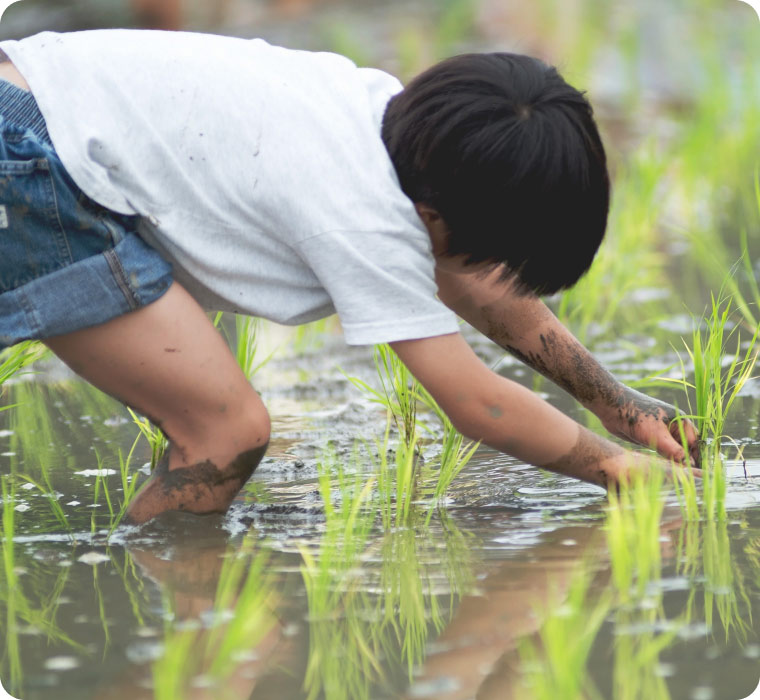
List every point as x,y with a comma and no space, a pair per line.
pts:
200,488
652,423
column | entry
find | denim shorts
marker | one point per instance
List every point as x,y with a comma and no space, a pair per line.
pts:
66,262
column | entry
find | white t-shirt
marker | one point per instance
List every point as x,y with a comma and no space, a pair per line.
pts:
259,171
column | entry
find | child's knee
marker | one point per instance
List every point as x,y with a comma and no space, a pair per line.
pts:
256,426
220,432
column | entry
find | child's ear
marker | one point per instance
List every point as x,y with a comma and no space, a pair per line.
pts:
427,214
436,227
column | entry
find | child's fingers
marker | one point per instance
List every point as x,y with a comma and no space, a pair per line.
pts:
692,440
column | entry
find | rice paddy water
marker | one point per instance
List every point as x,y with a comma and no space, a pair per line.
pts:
377,554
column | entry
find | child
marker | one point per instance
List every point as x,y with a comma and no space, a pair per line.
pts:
150,175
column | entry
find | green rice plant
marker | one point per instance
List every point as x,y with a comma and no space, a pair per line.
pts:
454,455
246,342
245,599
396,481
719,374
153,434
310,336
685,486
398,394
638,645
555,667
716,385
15,596
409,607
128,490
45,487
706,557
248,331
12,654
171,670
344,649
633,534
242,616
15,358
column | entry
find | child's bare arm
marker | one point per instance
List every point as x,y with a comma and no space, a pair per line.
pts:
525,327
508,417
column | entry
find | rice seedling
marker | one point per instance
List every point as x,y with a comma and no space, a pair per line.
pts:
242,616
454,455
45,487
396,481
14,359
248,334
409,606
246,343
399,391
153,434
128,490
311,336
639,641
343,648
633,534
706,557
14,595
555,667
719,374
400,395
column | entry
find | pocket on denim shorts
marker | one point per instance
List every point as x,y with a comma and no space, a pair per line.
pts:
32,240
46,222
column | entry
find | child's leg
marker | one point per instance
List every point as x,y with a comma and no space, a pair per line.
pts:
168,362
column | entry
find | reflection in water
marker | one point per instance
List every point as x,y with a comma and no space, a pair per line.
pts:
366,625
30,595
708,561
220,651
640,636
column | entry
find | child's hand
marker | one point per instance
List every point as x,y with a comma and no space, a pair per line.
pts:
628,466
646,421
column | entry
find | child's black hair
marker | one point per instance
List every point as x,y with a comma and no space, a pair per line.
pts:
509,155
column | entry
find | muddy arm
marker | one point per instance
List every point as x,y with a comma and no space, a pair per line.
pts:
508,417
525,327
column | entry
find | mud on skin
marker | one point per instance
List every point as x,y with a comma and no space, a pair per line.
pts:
573,369
590,449
201,488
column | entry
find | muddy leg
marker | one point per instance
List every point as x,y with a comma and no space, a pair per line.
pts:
169,362
201,488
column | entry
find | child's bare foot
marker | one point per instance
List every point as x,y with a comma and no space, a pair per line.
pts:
200,488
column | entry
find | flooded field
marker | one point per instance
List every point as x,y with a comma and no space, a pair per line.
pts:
355,566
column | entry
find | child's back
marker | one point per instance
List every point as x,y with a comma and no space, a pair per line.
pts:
258,171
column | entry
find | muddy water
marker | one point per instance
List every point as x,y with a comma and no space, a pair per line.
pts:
437,611
87,614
